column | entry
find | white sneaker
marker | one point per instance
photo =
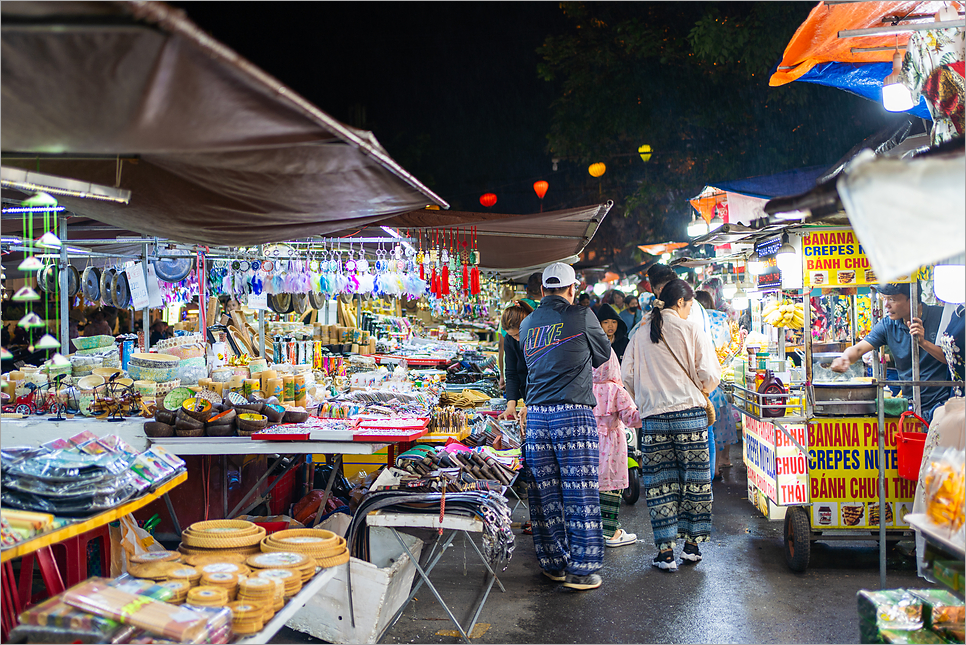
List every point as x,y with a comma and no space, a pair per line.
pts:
621,538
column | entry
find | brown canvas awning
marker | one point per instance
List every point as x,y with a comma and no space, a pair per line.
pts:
517,242
213,150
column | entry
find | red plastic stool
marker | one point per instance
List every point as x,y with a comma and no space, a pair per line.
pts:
74,562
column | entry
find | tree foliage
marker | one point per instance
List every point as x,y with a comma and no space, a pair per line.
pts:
691,81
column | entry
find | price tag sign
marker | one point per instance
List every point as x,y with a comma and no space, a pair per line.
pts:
259,301
154,289
138,285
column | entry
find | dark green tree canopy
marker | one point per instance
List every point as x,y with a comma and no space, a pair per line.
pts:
691,81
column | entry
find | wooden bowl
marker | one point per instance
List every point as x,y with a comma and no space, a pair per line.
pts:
223,418
274,413
155,429
197,408
295,416
187,423
189,432
164,416
248,422
220,430
256,408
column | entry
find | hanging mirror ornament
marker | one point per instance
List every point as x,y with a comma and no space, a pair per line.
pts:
31,263
25,294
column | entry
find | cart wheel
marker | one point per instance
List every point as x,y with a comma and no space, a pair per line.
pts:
633,491
23,408
798,544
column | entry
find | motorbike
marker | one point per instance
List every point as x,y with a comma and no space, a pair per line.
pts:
633,491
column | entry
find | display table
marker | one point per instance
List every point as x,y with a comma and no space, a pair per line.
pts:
454,524
17,597
291,607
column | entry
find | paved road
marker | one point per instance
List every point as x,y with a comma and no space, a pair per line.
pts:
741,593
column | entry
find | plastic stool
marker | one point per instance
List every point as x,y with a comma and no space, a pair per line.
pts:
75,554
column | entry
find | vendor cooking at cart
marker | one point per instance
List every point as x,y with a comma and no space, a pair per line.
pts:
896,331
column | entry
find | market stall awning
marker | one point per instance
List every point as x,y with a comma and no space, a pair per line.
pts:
746,197
816,53
213,150
517,242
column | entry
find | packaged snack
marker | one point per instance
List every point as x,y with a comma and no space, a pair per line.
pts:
910,637
940,607
890,609
945,489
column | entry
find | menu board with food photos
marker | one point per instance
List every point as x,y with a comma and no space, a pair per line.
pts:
843,478
835,258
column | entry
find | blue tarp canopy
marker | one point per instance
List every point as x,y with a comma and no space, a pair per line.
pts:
790,182
861,79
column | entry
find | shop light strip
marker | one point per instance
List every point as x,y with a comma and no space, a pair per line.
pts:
901,29
32,182
33,209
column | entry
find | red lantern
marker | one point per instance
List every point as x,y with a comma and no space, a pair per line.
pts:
488,199
540,188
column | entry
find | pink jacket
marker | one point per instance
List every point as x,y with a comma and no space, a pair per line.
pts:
615,409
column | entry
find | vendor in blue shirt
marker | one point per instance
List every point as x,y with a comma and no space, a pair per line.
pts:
896,331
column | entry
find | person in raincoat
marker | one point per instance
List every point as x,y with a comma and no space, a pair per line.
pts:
615,409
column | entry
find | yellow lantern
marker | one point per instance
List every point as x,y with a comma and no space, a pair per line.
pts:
645,151
597,169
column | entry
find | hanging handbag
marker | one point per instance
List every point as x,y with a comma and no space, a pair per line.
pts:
708,405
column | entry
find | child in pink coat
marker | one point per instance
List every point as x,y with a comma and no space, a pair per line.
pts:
615,409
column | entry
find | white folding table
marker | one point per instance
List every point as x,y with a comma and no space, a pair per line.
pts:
452,523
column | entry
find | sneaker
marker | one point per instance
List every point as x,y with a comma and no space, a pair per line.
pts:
691,553
590,581
665,560
556,576
621,538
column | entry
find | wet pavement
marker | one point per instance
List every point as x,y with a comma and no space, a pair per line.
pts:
742,592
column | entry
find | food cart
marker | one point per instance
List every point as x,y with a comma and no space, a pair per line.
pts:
813,444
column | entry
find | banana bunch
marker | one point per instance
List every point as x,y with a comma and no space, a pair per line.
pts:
784,313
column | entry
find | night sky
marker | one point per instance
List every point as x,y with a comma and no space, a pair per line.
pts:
449,89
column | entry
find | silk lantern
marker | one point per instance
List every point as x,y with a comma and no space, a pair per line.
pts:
645,152
488,199
597,169
540,188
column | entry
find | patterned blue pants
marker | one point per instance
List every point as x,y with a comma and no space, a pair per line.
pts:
677,476
562,456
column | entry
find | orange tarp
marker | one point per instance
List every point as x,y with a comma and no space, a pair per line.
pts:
817,41
658,249
705,205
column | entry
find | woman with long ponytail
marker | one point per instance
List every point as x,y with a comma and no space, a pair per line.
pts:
669,371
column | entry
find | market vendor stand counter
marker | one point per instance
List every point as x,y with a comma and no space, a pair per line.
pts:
815,463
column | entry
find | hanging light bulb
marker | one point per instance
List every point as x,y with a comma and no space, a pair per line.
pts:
49,241
755,264
59,359
949,280
30,263
47,342
729,288
896,97
25,294
4,354
31,321
697,226
715,223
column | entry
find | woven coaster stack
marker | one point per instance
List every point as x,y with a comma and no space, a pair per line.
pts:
214,558
153,565
184,573
301,563
222,580
207,597
247,618
291,579
219,537
325,547
180,589
262,592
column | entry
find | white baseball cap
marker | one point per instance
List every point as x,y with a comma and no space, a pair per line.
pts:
559,275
